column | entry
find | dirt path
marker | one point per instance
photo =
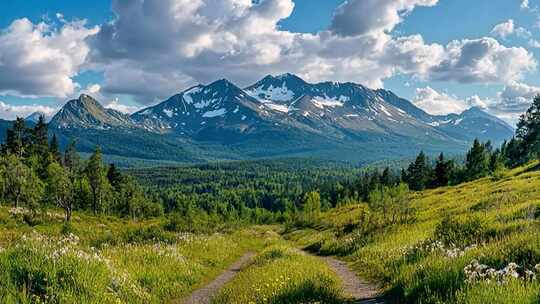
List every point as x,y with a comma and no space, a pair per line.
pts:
204,295
359,292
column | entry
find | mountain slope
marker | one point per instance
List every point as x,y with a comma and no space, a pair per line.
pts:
213,112
358,110
281,116
34,117
87,113
474,123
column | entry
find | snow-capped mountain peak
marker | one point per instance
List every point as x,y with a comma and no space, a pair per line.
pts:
278,106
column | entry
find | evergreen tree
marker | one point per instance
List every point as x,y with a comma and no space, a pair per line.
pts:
513,153
40,139
387,178
443,171
40,146
528,130
72,160
54,150
496,161
17,139
477,162
419,173
114,176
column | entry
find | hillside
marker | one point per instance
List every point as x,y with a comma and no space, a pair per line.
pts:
490,223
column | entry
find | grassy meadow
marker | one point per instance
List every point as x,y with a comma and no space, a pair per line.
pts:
477,242
108,260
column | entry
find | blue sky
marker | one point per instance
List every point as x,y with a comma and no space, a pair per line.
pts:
433,85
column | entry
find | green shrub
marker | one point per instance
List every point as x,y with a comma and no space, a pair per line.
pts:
460,232
147,234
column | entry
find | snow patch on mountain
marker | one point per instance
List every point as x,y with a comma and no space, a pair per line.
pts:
168,112
187,96
204,103
272,93
277,107
215,113
322,102
385,110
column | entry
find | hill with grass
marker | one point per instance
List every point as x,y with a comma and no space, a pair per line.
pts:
478,242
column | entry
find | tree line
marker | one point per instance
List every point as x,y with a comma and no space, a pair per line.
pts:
35,174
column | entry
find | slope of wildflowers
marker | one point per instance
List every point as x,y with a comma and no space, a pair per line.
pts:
478,242
108,260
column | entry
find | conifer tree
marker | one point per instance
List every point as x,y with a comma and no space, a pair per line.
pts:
114,176
17,139
387,178
419,173
40,146
54,149
72,160
40,140
443,171
528,130
477,161
514,153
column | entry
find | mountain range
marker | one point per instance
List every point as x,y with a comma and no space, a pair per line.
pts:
279,116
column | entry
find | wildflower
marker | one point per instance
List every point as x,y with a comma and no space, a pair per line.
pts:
530,275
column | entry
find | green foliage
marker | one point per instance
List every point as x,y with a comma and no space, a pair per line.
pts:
477,161
392,204
528,129
22,185
489,221
418,173
443,172
460,232
29,164
60,189
311,208
259,192
97,180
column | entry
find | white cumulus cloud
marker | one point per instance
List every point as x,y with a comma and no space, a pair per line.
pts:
358,17
483,60
439,103
40,60
10,112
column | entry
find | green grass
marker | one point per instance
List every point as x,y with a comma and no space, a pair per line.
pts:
281,274
108,260
424,261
